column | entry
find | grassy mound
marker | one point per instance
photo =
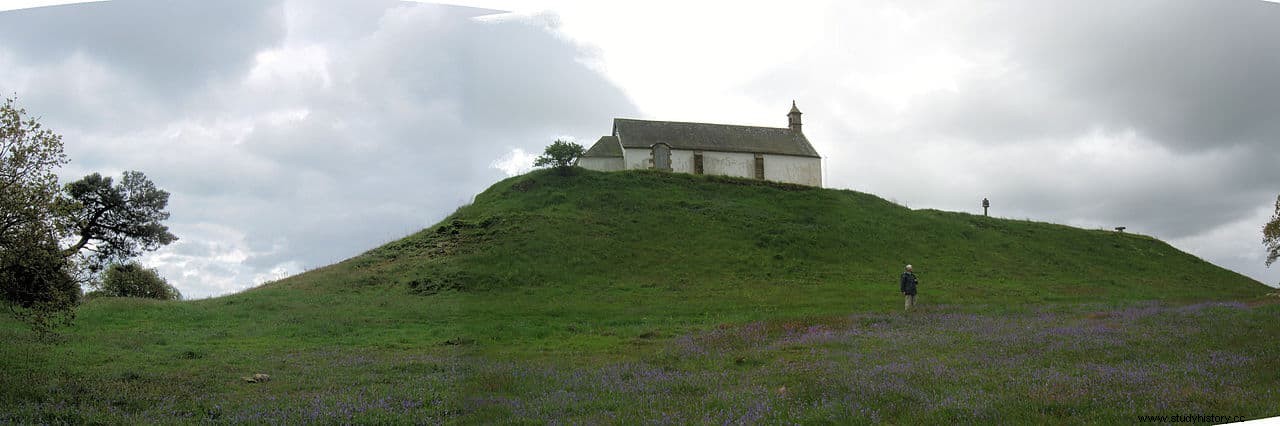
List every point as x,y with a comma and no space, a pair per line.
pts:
548,263
644,229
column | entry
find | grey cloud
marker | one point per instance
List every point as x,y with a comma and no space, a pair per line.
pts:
342,21
173,46
1191,75
1168,194
999,111
1171,203
125,65
576,94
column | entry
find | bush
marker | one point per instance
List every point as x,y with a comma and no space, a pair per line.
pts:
132,280
36,283
560,155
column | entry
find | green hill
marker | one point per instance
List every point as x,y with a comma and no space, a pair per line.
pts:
594,231
640,229
581,297
648,252
682,250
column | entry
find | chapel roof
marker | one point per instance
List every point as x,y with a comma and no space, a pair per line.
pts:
607,146
633,133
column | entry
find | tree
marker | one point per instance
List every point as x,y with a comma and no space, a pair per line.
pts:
560,154
28,185
132,280
116,222
36,280
1271,235
40,281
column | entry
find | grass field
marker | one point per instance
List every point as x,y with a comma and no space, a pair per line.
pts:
657,298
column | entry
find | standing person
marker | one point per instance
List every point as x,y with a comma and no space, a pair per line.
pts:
908,287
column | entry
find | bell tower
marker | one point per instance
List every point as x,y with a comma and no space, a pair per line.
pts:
793,118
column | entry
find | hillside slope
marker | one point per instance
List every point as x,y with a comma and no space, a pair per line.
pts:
548,264
645,229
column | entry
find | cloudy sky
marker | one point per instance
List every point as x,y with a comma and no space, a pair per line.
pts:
293,134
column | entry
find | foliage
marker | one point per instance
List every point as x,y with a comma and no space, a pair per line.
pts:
28,184
116,221
1271,235
36,282
561,155
34,276
132,280
40,281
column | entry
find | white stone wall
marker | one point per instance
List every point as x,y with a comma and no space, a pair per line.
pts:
788,168
740,164
778,168
638,158
682,161
604,164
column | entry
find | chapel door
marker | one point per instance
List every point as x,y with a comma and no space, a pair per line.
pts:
662,157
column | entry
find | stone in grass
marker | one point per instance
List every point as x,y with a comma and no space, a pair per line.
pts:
257,378
458,341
